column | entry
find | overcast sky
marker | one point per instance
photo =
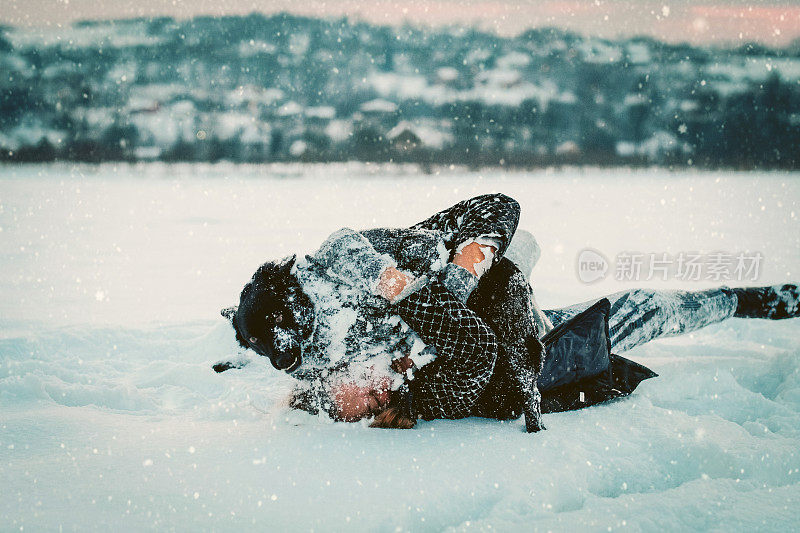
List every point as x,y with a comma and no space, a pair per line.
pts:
768,21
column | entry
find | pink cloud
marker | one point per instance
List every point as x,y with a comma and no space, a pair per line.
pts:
771,13
670,20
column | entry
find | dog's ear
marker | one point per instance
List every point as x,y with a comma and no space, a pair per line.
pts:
286,264
229,312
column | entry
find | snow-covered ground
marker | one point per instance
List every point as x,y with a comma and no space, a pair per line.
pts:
111,418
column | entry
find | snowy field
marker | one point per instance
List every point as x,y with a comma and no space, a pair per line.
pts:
112,419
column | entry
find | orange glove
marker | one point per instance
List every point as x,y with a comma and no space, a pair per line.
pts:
470,255
392,283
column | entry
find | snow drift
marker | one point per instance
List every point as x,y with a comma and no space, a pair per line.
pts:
110,414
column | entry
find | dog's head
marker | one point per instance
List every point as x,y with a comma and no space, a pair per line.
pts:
274,315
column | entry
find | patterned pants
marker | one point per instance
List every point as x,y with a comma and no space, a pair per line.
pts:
641,315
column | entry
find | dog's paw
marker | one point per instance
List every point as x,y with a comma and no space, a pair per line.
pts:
222,366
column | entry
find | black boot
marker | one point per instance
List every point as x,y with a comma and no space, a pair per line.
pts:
775,302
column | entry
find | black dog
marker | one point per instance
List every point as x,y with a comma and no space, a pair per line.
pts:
274,316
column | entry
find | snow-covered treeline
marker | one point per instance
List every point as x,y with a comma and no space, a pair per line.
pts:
285,88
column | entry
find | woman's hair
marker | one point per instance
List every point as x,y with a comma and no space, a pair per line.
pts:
398,413
392,418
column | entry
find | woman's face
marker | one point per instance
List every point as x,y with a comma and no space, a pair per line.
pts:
354,400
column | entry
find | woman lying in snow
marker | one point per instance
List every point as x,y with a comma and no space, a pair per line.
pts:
434,321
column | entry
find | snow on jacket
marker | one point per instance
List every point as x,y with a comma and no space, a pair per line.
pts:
454,350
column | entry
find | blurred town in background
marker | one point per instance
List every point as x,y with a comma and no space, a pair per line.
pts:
287,88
